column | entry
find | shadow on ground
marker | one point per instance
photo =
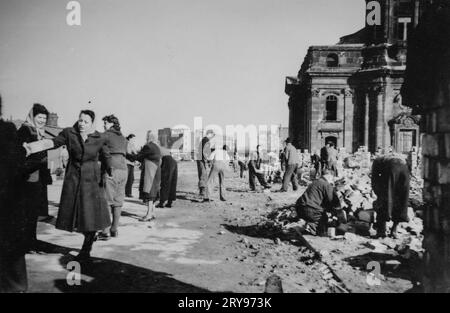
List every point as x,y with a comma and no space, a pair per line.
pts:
107,275
407,270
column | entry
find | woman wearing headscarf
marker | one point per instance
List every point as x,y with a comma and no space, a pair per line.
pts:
150,158
35,174
169,177
83,207
115,185
13,272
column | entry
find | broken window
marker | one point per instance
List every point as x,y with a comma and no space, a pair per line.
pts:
331,108
332,60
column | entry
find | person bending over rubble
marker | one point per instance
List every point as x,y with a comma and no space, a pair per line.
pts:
318,199
390,182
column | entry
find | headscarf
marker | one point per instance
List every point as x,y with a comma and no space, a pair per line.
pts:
29,121
152,138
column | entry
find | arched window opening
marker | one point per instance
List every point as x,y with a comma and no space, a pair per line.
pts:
332,60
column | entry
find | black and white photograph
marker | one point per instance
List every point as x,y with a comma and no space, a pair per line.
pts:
224,152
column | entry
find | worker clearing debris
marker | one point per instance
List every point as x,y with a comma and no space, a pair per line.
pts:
318,199
390,182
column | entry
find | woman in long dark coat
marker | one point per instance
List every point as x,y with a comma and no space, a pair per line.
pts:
169,177
13,246
83,207
149,186
390,182
35,174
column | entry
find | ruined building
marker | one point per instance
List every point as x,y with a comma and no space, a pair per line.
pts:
349,93
427,91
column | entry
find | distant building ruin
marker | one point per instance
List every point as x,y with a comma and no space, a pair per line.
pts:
349,93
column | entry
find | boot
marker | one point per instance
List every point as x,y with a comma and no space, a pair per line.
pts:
85,252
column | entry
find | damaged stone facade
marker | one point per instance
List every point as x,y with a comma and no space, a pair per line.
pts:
349,93
427,91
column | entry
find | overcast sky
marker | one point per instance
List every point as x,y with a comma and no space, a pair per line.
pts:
159,63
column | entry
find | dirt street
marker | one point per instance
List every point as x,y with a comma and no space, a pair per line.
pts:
216,247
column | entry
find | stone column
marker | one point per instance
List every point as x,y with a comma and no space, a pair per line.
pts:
381,124
366,118
348,116
316,116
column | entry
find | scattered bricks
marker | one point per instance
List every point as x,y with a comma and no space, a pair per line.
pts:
389,242
376,246
392,264
367,216
274,285
443,169
411,214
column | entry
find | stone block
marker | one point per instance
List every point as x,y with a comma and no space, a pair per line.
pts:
431,145
427,192
443,172
443,118
446,146
431,122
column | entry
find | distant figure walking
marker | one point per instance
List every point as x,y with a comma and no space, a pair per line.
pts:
220,165
202,161
292,163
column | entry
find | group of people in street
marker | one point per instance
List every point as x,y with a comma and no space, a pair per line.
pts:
99,173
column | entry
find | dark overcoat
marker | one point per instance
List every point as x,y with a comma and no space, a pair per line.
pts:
390,182
12,216
34,197
83,205
169,177
13,243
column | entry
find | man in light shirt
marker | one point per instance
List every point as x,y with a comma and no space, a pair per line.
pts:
220,160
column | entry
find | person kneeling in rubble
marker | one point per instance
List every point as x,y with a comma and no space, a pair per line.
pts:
319,198
390,183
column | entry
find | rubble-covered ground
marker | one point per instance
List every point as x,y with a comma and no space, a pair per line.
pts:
231,246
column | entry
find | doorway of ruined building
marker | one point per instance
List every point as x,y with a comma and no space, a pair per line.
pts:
332,139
